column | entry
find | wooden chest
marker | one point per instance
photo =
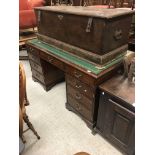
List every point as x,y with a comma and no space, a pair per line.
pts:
116,113
93,33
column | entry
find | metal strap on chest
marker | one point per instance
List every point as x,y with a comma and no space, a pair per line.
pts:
89,24
39,16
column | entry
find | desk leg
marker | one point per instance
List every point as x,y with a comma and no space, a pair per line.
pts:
46,88
88,123
49,86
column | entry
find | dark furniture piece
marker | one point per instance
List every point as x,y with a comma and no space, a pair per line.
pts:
82,77
116,113
131,42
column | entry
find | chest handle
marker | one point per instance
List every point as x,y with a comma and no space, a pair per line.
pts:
118,34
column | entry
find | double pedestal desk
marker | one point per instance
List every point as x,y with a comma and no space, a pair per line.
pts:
50,65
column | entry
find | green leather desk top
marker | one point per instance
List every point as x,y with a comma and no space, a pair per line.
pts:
73,59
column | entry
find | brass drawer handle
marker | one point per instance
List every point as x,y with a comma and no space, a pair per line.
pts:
78,96
60,17
38,75
50,59
77,74
33,57
35,66
78,107
31,49
78,86
85,90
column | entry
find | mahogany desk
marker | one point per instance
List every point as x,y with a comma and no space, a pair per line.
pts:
50,65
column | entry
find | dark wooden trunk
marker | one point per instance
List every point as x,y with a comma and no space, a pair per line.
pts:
97,31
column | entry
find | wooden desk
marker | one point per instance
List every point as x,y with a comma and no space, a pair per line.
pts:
49,65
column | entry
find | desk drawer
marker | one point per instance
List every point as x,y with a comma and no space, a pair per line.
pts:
52,60
38,76
80,75
79,97
80,86
79,108
36,66
34,57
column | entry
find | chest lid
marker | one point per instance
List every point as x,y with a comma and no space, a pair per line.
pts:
87,11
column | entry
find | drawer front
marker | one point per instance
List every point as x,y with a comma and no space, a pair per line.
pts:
36,67
37,75
78,85
80,108
80,97
33,57
52,60
80,75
